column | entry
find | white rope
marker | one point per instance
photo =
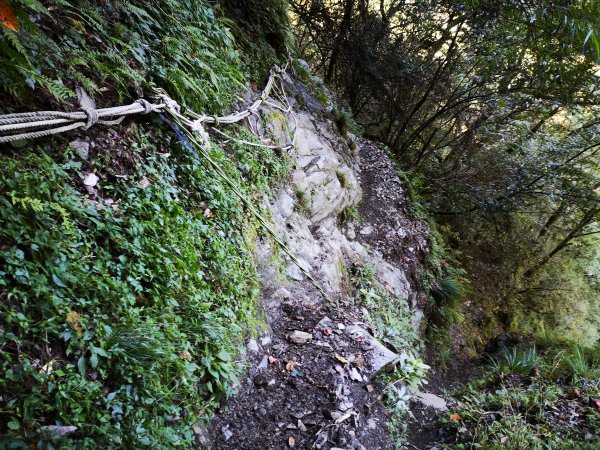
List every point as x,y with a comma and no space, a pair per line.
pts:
46,123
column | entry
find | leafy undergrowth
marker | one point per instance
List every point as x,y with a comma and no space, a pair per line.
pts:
534,401
391,319
121,314
122,306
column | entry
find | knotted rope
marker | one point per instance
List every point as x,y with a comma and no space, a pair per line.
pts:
46,123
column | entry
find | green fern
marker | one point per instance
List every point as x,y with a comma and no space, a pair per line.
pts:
178,44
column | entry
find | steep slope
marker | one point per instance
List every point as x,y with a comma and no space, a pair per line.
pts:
311,382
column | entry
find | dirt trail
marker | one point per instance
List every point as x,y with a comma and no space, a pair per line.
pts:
318,394
298,392
310,382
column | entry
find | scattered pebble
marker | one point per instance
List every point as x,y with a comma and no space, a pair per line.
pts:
264,363
300,337
226,433
252,346
355,375
301,426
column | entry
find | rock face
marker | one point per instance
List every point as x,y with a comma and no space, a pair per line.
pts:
311,379
306,214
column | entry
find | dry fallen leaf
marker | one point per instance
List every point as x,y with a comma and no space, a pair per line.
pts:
272,360
359,361
290,365
291,441
73,321
345,416
145,183
185,355
370,388
455,417
8,18
341,359
208,213
327,331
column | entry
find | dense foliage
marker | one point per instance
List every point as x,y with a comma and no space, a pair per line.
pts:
119,48
121,316
493,105
122,308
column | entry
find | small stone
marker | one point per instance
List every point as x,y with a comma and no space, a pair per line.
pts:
91,179
378,357
325,345
265,341
201,433
371,424
355,375
226,433
82,148
336,415
324,323
345,406
260,380
301,426
321,440
366,230
264,363
300,337
252,346
431,400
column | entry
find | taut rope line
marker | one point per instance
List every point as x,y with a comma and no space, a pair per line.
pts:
32,125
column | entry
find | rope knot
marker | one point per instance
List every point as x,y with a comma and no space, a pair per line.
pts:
170,104
92,117
197,127
148,107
